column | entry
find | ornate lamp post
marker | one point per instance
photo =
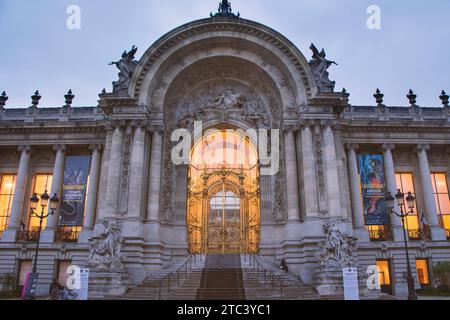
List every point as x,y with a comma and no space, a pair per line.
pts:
34,201
410,203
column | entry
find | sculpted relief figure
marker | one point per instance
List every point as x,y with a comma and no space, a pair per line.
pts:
319,65
105,252
338,247
126,66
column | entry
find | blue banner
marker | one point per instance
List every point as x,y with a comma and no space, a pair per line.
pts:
373,189
76,172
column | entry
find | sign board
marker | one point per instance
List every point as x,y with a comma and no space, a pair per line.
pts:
82,292
351,285
29,287
76,172
373,188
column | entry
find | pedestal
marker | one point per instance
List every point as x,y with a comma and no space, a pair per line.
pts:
330,284
104,284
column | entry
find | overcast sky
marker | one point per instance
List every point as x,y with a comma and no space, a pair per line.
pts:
38,51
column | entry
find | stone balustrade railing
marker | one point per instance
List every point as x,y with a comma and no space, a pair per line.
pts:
386,113
51,114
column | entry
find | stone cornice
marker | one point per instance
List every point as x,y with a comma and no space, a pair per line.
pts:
387,128
52,130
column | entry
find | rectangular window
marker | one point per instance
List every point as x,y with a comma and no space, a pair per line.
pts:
422,271
42,183
384,275
62,272
7,187
26,266
442,198
405,183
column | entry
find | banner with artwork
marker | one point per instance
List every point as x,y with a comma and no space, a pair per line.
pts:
373,188
76,172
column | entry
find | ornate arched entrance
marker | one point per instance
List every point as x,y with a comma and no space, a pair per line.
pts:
223,207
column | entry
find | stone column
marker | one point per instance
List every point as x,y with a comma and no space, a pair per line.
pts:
437,233
93,193
391,186
293,203
355,193
10,234
57,182
331,171
135,195
94,176
114,171
154,185
309,171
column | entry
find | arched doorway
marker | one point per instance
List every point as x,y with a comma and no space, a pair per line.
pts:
223,207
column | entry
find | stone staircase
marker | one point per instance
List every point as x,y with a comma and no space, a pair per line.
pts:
214,278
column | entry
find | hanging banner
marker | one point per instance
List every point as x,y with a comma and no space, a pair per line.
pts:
76,173
373,188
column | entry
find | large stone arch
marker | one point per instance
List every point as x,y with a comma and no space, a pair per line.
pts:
202,39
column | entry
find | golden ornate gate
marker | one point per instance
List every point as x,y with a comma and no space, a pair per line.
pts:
223,207
223,212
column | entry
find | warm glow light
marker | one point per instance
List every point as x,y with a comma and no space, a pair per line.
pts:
223,171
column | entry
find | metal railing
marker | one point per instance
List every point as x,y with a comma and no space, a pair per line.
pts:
167,281
380,234
28,235
419,234
275,280
67,234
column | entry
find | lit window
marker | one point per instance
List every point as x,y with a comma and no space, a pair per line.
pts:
422,271
42,183
7,186
406,184
441,196
384,275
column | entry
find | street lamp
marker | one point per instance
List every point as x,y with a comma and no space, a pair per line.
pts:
34,202
410,203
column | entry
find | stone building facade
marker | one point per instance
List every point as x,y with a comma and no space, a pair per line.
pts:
269,84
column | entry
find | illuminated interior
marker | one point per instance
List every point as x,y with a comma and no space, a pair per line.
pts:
42,183
7,186
223,197
442,198
405,183
384,276
422,271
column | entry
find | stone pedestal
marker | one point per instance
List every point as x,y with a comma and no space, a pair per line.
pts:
330,283
104,284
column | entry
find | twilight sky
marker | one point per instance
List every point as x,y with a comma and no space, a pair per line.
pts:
38,51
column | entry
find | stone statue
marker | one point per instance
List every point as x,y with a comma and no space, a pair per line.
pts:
338,247
229,99
319,65
126,66
105,251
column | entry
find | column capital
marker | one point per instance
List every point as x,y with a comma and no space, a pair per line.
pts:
60,147
289,128
117,124
142,124
329,124
388,147
306,123
352,146
422,147
25,148
158,129
95,147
